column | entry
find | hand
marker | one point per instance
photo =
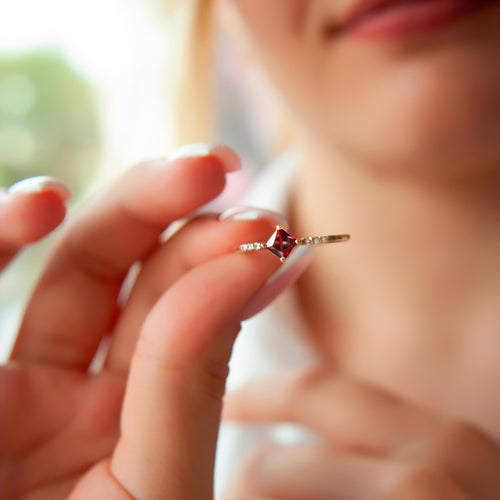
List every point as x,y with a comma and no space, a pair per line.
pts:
150,432
376,446
28,211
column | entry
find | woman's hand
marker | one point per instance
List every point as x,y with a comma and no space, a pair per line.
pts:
377,447
29,210
150,432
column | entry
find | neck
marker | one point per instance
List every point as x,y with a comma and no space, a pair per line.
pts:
420,274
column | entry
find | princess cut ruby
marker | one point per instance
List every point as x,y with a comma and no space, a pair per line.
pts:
281,243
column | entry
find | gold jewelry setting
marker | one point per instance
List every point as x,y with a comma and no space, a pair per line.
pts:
282,243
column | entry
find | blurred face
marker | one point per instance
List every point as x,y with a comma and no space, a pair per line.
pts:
413,86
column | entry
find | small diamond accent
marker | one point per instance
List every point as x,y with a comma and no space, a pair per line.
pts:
282,243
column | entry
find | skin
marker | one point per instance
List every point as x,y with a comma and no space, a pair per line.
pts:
113,432
424,105
414,210
405,394
402,150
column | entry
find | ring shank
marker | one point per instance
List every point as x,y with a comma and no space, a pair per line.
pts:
318,240
309,240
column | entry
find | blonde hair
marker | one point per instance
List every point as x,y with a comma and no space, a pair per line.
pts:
191,77
192,27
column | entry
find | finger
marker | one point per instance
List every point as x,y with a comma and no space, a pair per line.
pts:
77,293
173,399
359,417
354,415
470,456
56,490
99,483
322,473
312,472
252,498
29,210
199,241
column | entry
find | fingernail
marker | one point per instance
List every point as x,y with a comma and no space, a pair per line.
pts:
40,184
286,275
251,213
226,156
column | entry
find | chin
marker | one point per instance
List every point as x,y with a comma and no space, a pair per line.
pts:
440,119
438,143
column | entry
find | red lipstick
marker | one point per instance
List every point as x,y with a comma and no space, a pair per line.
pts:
386,19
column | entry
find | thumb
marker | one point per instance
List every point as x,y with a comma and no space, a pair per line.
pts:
173,400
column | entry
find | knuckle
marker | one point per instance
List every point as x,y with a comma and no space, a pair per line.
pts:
307,379
256,463
424,482
94,265
355,397
456,436
100,407
215,380
272,457
301,387
209,376
149,352
277,471
297,457
146,348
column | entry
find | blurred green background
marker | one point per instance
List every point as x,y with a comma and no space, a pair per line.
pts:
48,120
86,90
49,125
81,98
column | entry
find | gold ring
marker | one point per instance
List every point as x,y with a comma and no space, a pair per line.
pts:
282,243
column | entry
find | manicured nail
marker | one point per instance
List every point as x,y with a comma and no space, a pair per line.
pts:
40,184
286,275
226,156
251,213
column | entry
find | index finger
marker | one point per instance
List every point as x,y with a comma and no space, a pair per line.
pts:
355,415
74,303
29,210
362,418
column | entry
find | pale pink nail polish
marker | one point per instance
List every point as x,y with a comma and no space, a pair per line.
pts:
40,184
226,155
251,213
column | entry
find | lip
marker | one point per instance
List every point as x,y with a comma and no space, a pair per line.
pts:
386,19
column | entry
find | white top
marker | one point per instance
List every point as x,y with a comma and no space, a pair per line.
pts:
273,340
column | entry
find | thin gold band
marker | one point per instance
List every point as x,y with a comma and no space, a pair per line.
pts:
308,240
282,243
318,240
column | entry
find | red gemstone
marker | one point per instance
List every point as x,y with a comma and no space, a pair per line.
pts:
281,243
